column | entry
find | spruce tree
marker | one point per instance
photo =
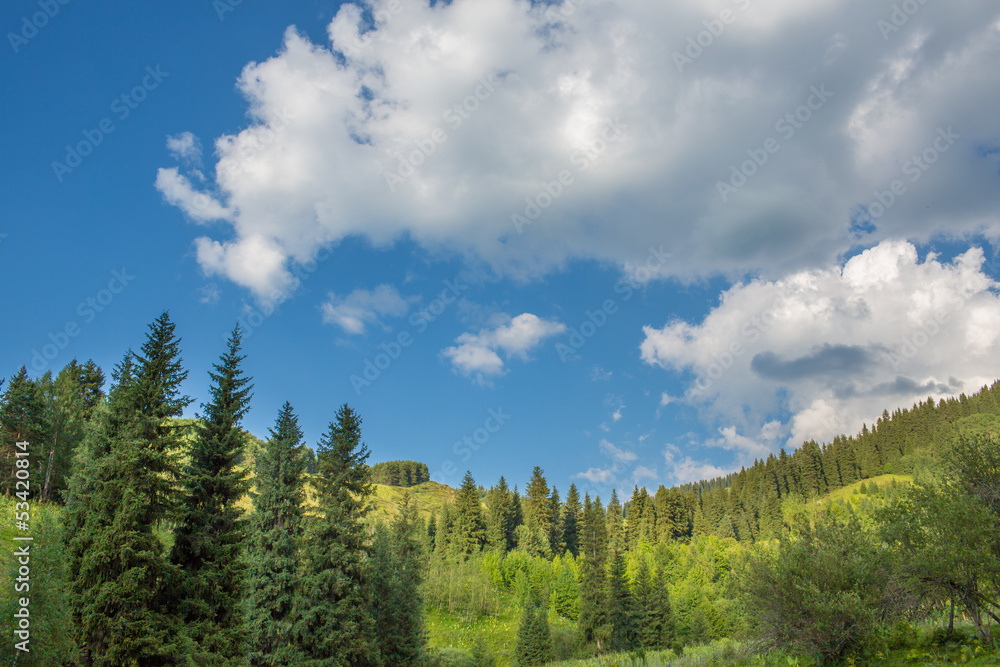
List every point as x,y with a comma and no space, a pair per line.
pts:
593,543
123,486
396,599
469,531
209,534
500,518
275,535
620,612
616,524
333,627
571,521
536,502
534,639
23,418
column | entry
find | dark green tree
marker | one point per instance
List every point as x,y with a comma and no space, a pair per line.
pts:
591,573
210,532
122,488
536,502
621,613
275,536
23,418
396,577
500,517
534,638
571,521
469,530
333,626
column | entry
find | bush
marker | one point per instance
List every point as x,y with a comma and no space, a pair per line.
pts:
829,592
452,657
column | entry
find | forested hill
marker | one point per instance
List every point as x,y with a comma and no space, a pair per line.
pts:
747,504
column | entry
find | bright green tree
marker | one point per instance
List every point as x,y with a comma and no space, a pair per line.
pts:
469,529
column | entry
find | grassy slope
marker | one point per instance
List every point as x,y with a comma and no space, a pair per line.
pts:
428,497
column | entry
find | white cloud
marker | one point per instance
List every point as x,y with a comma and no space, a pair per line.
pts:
834,347
354,312
666,399
210,293
184,146
597,475
684,470
642,472
616,454
478,354
330,121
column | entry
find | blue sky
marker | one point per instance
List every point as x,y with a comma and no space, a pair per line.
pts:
629,243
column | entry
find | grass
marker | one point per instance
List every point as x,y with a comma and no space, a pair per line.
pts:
427,497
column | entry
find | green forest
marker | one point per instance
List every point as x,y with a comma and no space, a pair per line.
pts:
158,540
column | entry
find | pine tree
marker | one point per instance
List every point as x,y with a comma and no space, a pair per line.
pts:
469,532
620,606
652,602
23,418
571,521
593,543
500,518
209,535
557,541
396,576
536,502
616,524
122,487
534,639
275,535
333,627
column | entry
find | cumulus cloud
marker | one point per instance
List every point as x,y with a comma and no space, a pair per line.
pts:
684,469
478,354
362,307
184,146
834,347
442,121
619,456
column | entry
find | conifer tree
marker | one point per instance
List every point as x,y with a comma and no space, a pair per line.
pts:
22,418
469,531
616,524
333,626
209,535
534,639
556,540
620,613
593,543
501,517
122,487
396,576
275,535
536,502
571,521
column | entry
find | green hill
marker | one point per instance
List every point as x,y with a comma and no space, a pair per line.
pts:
427,497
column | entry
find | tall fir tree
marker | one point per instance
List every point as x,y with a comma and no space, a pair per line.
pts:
397,572
534,638
23,418
616,524
123,486
275,536
210,532
469,530
333,627
557,542
571,521
501,517
620,614
536,502
591,573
